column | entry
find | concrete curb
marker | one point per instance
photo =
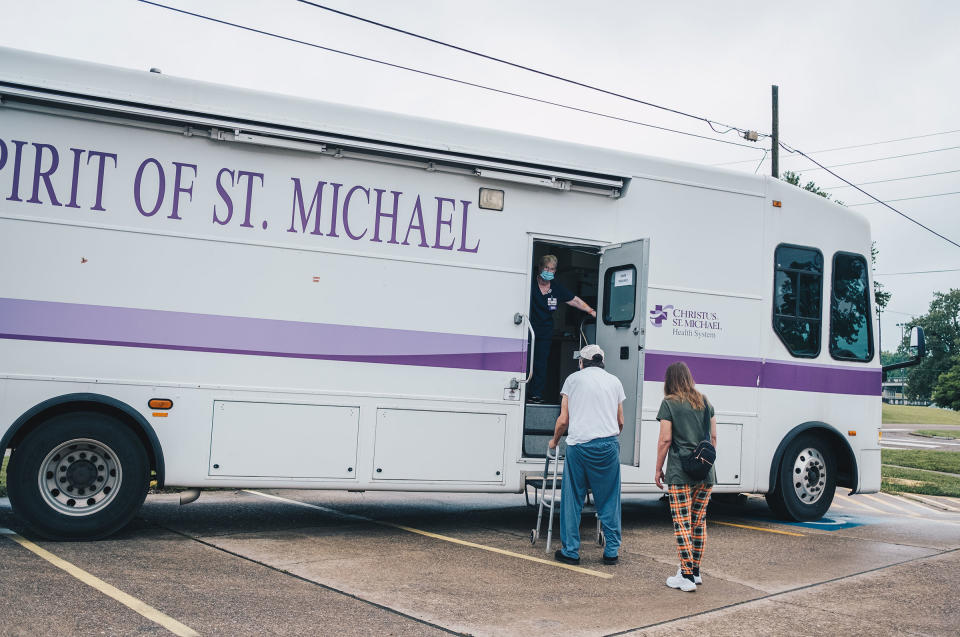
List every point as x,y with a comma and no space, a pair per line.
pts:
929,502
914,433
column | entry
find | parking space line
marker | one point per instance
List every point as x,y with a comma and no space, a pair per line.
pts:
129,601
889,502
886,502
758,528
437,536
868,507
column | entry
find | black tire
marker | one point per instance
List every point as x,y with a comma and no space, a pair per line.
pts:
807,480
108,469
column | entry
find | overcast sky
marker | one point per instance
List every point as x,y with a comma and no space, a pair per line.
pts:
850,73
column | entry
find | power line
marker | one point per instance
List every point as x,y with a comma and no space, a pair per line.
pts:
439,76
939,194
861,190
911,314
524,67
883,181
762,159
917,272
868,161
830,150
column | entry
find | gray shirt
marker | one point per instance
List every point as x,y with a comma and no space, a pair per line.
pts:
688,431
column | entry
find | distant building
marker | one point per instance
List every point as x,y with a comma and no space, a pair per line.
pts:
893,394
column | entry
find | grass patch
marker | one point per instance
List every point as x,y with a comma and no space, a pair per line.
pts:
896,480
913,415
948,461
950,434
3,477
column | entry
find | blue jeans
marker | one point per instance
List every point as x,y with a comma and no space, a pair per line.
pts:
594,464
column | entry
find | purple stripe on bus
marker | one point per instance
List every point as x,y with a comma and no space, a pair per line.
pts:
746,372
161,329
71,322
492,361
706,370
830,380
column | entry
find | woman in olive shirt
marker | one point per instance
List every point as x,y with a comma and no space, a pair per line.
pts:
681,429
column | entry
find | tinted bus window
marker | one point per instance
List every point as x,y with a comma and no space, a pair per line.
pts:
851,336
619,295
797,299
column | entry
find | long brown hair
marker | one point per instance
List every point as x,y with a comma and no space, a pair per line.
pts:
678,385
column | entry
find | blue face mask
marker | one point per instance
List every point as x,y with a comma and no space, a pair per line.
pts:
546,275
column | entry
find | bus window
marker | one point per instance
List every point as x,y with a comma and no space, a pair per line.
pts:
797,295
850,333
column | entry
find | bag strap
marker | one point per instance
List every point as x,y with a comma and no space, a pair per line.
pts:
706,419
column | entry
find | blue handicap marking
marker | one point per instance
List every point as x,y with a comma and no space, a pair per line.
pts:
835,523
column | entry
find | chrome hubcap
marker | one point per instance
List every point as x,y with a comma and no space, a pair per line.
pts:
80,477
809,475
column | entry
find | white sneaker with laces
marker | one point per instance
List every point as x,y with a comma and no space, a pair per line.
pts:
681,582
696,578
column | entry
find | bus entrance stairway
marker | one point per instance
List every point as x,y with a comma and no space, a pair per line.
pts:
547,496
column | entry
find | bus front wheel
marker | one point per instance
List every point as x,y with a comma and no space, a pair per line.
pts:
78,476
807,480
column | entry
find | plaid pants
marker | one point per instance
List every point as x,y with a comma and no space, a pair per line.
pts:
688,506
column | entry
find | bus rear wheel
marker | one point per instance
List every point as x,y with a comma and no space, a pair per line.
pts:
807,480
78,476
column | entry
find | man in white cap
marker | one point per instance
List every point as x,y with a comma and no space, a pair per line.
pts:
591,414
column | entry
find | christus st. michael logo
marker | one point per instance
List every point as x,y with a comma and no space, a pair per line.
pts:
659,314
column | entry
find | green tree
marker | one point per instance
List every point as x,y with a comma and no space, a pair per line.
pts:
941,324
946,392
793,178
880,296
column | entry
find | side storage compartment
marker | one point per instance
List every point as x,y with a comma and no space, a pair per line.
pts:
273,440
439,446
729,443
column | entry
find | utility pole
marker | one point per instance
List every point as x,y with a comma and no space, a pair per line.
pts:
775,134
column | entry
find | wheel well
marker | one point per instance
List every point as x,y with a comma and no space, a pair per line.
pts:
35,418
842,452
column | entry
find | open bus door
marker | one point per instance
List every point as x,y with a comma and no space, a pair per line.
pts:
621,330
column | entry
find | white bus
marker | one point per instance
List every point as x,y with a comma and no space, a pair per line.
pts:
215,287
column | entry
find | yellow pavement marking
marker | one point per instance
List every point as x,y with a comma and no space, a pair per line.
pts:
888,502
129,601
500,551
868,507
437,536
757,528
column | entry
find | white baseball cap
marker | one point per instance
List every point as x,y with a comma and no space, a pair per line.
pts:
588,352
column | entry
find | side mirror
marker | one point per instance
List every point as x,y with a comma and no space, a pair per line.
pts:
918,347
918,344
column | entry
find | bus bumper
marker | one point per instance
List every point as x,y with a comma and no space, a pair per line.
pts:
869,466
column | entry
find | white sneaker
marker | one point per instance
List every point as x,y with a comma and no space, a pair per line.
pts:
681,582
696,578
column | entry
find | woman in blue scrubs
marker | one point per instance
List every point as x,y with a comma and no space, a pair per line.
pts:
545,295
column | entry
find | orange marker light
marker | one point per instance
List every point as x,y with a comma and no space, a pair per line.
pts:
851,433
160,414
776,203
160,403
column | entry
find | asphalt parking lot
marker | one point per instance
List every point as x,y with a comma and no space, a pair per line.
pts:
313,562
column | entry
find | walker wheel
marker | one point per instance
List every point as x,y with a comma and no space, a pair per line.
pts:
533,536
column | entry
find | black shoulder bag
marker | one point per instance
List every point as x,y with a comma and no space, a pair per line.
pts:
697,465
